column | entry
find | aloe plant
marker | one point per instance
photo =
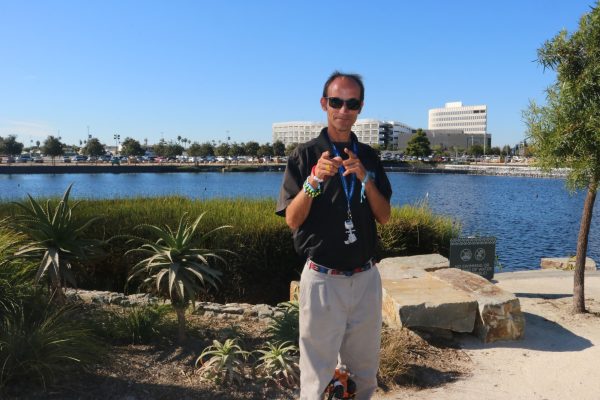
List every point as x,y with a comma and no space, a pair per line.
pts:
285,327
278,363
223,362
176,268
55,236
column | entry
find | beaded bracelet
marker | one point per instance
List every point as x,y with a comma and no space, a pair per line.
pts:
314,175
369,176
309,190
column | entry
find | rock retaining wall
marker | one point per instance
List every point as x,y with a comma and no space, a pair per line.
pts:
235,311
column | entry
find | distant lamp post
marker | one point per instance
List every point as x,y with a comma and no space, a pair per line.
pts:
117,139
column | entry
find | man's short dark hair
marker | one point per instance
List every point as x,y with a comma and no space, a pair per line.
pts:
355,77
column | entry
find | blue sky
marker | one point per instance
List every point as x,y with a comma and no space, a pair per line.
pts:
208,70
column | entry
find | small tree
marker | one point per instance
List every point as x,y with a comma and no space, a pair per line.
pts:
52,147
476,150
566,131
94,148
131,147
278,148
176,267
265,150
56,238
207,149
290,148
222,150
236,150
10,146
252,148
418,145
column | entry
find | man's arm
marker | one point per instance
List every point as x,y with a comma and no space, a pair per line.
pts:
297,211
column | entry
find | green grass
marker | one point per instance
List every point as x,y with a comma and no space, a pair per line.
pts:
262,241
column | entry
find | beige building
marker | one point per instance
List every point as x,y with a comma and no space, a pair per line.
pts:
370,131
472,120
447,138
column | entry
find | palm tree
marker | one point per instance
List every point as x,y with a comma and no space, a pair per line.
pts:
56,237
178,269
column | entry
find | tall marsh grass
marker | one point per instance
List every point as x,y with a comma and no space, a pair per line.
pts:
266,261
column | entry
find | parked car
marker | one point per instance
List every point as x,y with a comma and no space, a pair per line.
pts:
24,158
9,159
66,159
115,161
38,159
79,158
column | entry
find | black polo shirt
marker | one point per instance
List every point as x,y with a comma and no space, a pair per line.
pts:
321,237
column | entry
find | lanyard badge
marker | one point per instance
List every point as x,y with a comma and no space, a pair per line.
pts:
348,191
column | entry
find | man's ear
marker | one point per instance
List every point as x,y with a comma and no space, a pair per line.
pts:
324,103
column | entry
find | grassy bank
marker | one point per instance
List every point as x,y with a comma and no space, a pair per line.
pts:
265,260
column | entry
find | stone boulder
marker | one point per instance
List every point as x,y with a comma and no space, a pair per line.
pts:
395,268
499,315
294,290
566,263
427,302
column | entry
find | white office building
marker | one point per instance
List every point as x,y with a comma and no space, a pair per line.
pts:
370,131
471,119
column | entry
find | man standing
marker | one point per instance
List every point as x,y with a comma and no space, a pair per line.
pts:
334,190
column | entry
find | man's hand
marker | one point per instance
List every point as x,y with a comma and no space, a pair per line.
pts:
354,166
327,166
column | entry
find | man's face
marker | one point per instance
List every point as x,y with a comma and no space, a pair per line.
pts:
340,120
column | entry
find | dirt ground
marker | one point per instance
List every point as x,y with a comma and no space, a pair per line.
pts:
558,358
166,370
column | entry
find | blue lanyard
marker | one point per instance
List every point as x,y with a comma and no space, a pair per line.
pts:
341,170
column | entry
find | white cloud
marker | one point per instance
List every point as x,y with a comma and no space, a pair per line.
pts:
26,130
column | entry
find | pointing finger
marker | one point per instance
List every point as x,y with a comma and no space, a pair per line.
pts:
349,152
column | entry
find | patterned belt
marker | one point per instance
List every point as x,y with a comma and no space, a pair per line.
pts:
330,271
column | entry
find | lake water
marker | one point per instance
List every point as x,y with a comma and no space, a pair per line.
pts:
531,218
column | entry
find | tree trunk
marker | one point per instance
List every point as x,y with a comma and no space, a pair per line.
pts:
582,243
181,323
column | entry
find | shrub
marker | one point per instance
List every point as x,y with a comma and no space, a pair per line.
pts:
176,268
285,327
261,239
136,325
393,362
415,229
39,341
278,363
223,363
55,238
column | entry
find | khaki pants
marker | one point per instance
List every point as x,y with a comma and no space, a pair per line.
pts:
340,323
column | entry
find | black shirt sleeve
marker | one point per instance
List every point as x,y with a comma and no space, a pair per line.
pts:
382,182
293,179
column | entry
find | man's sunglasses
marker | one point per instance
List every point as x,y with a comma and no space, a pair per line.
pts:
337,103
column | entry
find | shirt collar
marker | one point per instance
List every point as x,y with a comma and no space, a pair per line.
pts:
323,140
